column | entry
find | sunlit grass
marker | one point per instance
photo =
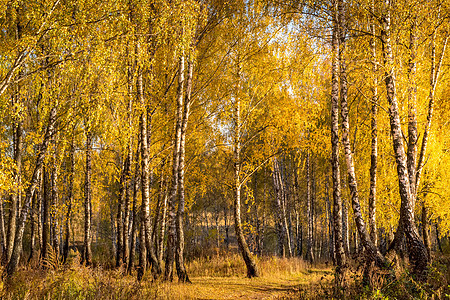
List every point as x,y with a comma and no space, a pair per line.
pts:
218,277
221,277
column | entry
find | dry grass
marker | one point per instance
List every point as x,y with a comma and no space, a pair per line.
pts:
215,278
221,277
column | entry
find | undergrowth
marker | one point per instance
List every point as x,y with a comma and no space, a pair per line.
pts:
401,286
220,277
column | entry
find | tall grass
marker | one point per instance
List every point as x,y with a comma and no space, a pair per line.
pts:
217,277
233,265
210,277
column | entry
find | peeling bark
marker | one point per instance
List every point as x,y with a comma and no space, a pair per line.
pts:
145,187
417,251
279,212
171,231
337,201
179,255
369,246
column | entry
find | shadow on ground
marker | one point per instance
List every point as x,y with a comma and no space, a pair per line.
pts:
290,286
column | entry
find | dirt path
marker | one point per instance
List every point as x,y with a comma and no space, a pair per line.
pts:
285,286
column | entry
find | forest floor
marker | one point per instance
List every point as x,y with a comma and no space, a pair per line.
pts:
219,277
284,286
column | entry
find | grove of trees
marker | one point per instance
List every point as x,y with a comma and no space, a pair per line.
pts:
143,134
